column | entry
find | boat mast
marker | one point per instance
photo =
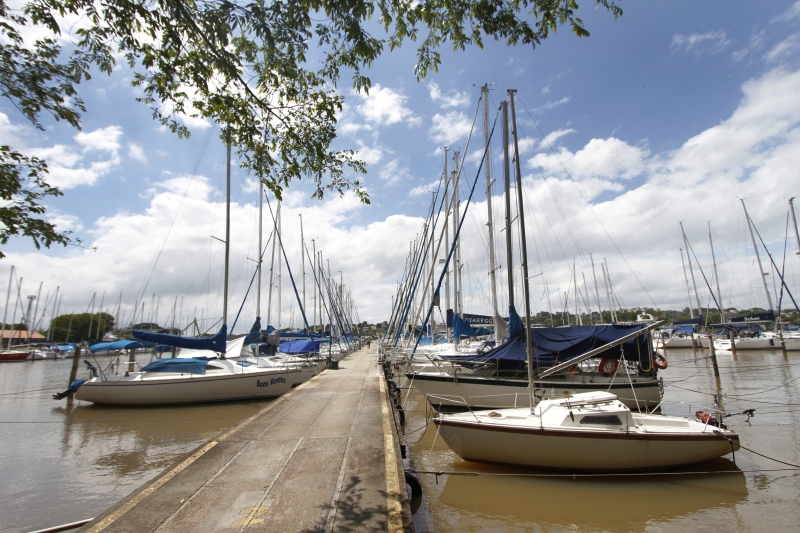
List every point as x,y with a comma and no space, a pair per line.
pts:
227,235
457,289
259,258
314,271
691,271
716,276
507,178
302,261
524,251
688,291
433,265
280,263
794,219
596,290
492,267
586,291
271,276
447,197
758,257
578,320
8,297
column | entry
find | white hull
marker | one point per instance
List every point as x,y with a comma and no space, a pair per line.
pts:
748,343
488,393
154,389
590,431
579,450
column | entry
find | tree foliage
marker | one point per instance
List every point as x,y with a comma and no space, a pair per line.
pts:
267,71
74,327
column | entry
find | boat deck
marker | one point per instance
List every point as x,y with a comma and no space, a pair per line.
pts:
324,457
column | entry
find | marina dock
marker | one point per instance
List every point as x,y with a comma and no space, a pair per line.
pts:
324,457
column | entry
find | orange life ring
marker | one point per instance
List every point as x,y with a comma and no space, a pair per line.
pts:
608,366
661,361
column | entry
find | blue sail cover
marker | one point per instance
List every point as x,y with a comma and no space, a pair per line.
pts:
215,343
185,366
255,332
557,345
462,328
514,323
299,346
118,345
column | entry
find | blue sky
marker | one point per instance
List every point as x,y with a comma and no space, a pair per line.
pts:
671,112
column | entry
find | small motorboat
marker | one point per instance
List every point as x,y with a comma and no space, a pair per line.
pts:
10,357
590,431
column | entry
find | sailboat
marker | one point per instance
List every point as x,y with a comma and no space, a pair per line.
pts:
590,431
209,370
495,378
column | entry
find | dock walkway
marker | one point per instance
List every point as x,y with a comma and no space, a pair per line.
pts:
324,457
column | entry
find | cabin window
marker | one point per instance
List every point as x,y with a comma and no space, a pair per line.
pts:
604,420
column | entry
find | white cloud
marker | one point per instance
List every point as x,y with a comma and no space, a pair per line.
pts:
394,172
715,41
790,14
756,43
385,106
550,105
601,158
370,155
553,137
450,127
69,168
783,50
136,152
452,98
425,188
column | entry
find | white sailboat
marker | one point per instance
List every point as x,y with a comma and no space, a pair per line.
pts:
589,431
194,377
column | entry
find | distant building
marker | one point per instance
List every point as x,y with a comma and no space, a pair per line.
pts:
21,336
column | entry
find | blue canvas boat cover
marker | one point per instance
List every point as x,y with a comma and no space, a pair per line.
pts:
299,346
185,366
215,343
557,345
255,332
117,345
462,328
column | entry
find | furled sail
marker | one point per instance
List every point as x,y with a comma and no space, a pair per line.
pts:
215,343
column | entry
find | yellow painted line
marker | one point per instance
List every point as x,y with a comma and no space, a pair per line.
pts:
394,510
130,504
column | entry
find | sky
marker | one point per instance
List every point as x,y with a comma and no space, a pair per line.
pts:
672,112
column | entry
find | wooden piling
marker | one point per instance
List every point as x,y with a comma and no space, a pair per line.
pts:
714,356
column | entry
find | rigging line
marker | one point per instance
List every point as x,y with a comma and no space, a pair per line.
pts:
768,390
589,205
251,285
783,283
152,268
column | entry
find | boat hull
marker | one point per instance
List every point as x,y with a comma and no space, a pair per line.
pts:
580,451
11,357
188,389
448,392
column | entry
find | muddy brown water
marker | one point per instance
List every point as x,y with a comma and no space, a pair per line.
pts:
59,465
743,501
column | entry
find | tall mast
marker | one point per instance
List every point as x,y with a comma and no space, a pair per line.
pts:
794,219
507,179
52,315
314,270
457,251
271,276
490,225
5,313
447,197
524,251
610,292
691,271
227,235
302,261
586,290
280,263
688,291
260,244
758,257
596,290
433,267
716,276
578,321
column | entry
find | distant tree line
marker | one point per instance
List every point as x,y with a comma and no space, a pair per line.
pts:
74,327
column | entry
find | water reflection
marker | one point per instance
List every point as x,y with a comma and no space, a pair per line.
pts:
61,464
741,501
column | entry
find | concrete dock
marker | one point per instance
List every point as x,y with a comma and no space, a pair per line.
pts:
324,457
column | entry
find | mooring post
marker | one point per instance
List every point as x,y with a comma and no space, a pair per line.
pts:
73,373
713,356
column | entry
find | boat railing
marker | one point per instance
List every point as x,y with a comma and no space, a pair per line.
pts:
450,398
